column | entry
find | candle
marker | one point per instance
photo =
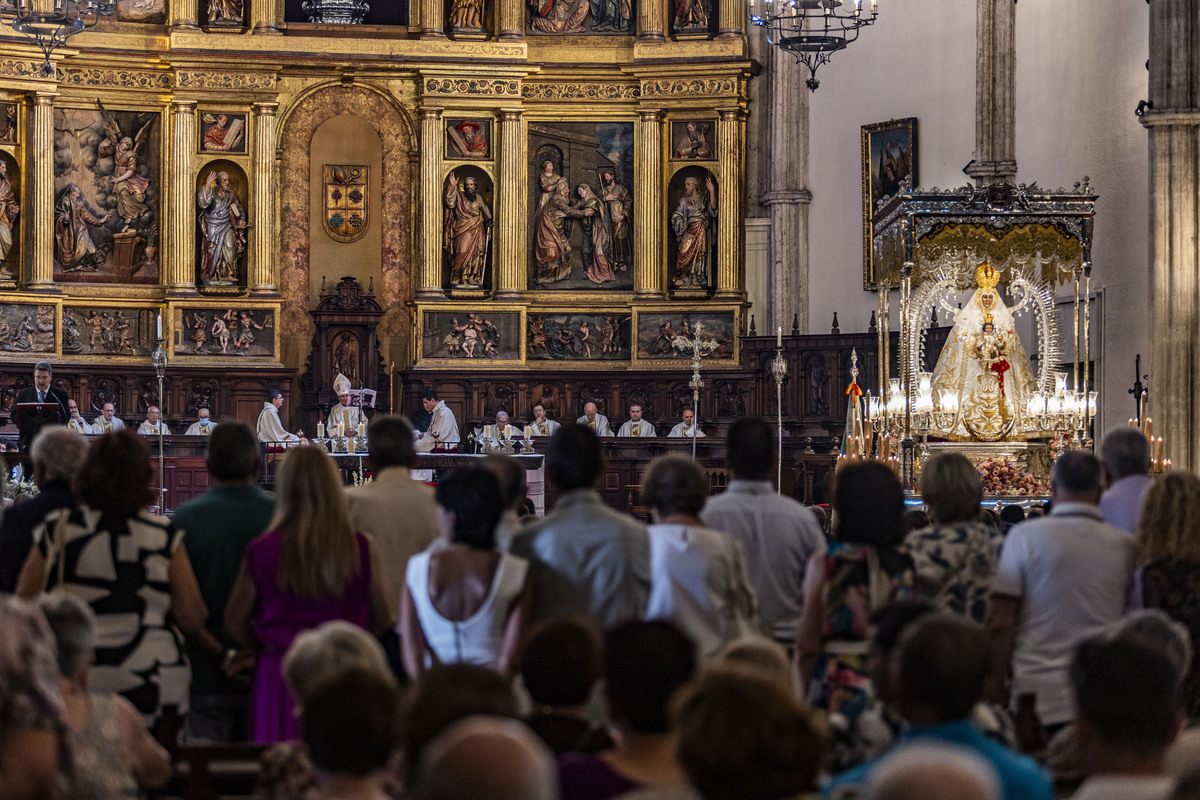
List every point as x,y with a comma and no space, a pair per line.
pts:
779,336
508,431
341,429
528,432
487,431
362,429
1149,426
320,430
158,326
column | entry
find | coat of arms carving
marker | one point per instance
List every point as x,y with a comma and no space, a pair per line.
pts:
345,201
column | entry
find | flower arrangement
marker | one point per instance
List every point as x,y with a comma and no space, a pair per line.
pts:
15,489
1002,476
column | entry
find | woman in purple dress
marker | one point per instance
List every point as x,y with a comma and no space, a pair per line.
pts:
309,568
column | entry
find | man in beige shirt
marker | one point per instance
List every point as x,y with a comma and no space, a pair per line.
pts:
398,514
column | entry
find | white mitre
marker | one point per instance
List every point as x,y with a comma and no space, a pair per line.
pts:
341,385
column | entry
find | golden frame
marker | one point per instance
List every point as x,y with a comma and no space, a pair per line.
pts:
170,330
463,307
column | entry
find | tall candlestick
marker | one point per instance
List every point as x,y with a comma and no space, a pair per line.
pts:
158,326
320,430
779,336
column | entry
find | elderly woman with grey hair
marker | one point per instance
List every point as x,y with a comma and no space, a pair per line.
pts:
114,754
697,575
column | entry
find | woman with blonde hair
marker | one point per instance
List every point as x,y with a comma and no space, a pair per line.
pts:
956,554
1168,542
310,567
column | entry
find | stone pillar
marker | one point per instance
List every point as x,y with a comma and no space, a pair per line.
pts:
511,20
729,205
183,15
182,270
1174,128
39,209
264,267
652,21
429,285
432,16
265,17
732,18
648,272
510,232
786,197
995,92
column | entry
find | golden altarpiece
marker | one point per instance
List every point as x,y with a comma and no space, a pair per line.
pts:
516,187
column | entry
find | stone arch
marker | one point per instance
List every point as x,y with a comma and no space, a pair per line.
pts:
398,204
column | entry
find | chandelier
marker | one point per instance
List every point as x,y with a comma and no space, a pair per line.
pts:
49,23
812,29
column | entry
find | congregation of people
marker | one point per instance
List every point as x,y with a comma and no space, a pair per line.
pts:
400,640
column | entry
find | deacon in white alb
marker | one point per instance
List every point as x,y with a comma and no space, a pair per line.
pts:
270,429
443,427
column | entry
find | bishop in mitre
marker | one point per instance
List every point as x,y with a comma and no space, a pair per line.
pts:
343,412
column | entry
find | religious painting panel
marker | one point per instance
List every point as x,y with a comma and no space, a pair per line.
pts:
693,19
221,191
469,138
599,17
89,330
671,335
345,216
107,169
478,334
889,155
581,205
226,332
693,140
152,12
224,13
9,129
692,203
221,132
10,213
467,200
26,328
571,337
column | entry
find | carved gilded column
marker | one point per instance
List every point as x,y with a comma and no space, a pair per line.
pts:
648,277
39,211
432,14
264,267
729,205
509,232
511,20
430,283
183,15
652,20
182,271
265,17
732,18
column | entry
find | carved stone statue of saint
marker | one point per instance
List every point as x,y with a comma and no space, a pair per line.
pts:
8,220
222,228
693,224
467,231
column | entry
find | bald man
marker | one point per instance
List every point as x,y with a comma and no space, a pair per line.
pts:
595,420
933,772
488,758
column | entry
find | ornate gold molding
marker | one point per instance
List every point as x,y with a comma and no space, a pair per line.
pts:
207,79
580,91
708,87
17,68
473,86
120,78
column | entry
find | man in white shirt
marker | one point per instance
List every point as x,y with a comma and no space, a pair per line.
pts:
343,412
1061,579
542,425
777,534
1126,455
443,427
153,423
270,429
107,422
76,422
593,419
635,426
687,428
203,426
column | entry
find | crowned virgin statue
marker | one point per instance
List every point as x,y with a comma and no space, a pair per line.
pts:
985,367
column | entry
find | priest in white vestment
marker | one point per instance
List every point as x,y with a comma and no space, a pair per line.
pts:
270,429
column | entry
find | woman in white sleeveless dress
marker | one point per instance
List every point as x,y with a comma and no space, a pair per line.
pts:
464,602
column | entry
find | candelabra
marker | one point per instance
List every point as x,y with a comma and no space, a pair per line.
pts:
1159,463
779,371
930,413
1062,412
159,359
696,384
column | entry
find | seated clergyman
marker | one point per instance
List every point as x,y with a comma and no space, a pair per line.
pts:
541,424
203,426
595,420
687,428
107,422
635,426
153,424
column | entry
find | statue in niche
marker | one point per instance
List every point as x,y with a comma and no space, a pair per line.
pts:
559,16
691,16
8,220
693,226
467,232
222,230
225,13
467,16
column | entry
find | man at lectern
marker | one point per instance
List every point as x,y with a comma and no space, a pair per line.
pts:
39,405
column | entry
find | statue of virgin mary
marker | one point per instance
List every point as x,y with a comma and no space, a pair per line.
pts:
985,367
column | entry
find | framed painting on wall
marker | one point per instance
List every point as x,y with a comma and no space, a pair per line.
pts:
481,335
889,155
